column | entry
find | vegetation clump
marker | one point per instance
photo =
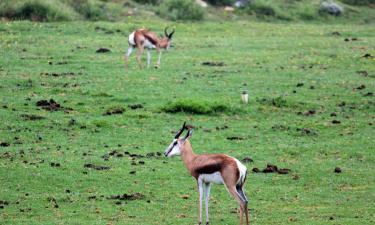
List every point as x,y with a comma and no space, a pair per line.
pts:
195,107
180,10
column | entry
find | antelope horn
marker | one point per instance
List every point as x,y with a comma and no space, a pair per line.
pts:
171,34
180,131
165,31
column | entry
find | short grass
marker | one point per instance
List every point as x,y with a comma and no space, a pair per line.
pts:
310,110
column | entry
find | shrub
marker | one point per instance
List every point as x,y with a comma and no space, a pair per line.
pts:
359,2
36,10
195,107
263,10
180,10
153,2
89,10
221,2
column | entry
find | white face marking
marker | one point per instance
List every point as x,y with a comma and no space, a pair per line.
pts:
215,178
131,39
173,149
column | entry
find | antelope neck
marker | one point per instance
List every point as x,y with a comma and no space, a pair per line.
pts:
187,155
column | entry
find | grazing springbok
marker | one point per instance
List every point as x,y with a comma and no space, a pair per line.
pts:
143,38
211,168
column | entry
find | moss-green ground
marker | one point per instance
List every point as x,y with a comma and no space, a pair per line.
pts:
288,70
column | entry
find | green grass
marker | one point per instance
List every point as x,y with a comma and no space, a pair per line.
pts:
58,60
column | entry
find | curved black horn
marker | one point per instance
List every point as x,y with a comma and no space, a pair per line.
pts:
165,31
170,35
180,131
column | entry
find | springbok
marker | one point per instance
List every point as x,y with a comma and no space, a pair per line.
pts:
211,168
143,38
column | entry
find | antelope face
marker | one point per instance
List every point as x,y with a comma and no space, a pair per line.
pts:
168,37
173,149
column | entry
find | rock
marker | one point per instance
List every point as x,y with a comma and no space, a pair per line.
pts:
242,3
331,8
201,3
228,9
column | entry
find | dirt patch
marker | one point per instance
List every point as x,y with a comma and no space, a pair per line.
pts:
4,144
280,127
102,50
247,160
338,170
336,121
50,105
135,106
53,164
224,127
213,64
53,201
307,131
127,197
113,153
60,74
270,168
32,117
235,138
3,204
96,167
310,112
368,94
300,85
113,111
361,87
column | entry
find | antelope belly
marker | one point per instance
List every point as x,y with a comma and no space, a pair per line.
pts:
148,44
212,178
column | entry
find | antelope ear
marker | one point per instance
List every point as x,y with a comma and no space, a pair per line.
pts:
188,134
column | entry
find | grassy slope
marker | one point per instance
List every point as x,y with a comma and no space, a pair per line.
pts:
269,58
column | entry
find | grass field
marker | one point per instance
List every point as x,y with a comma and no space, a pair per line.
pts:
311,109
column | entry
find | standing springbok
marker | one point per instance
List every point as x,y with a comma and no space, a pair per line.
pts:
143,38
211,168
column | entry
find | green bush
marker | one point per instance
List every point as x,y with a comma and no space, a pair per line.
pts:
262,9
88,9
195,107
36,10
221,2
153,2
359,2
180,10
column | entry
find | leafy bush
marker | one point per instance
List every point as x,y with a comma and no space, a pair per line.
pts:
359,2
195,107
36,10
262,9
88,9
180,10
221,2
153,2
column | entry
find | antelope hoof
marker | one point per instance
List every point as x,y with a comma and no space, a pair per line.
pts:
207,223
157,66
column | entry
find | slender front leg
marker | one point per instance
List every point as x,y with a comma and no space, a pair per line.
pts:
128,53
159,58
139,54
148,58
200,189
207,188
